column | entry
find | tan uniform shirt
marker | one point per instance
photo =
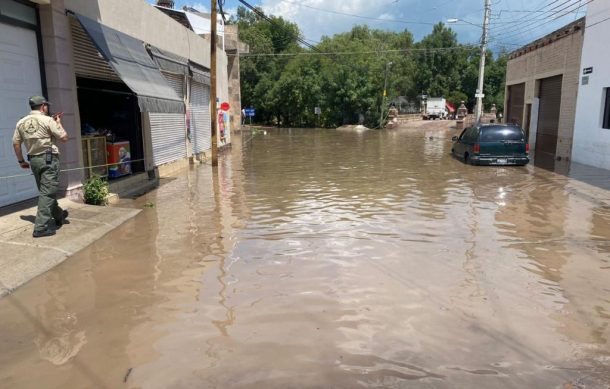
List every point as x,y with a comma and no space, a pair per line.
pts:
38,132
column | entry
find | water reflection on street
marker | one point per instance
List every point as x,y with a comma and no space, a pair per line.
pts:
320,258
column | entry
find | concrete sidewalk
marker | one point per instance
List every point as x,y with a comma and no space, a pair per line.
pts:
22,257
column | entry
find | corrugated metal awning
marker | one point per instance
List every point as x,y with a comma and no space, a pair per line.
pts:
129,59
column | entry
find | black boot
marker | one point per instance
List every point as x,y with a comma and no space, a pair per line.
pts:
40,234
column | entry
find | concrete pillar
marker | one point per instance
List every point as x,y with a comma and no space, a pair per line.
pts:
61,89
233,48
234,92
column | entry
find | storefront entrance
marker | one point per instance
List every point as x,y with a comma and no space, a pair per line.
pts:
109,113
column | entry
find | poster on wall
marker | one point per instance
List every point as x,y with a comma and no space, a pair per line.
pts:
223,121
221,125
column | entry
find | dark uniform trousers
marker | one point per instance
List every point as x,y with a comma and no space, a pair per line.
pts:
47,181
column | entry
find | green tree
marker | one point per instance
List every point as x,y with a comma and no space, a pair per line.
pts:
285,81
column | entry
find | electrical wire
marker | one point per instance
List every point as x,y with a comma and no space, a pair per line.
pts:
426,50
509,36
596,23
221,4
528,22
262,15
578,10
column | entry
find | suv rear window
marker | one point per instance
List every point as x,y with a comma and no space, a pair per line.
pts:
492,134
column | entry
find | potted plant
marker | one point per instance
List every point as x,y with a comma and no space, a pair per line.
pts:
95,191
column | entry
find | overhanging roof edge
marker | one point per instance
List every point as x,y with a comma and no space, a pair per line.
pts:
132,63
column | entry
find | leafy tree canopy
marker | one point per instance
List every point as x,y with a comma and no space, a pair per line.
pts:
287,83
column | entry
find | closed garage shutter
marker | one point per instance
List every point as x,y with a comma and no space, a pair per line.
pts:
200,117
548,117
168,130
516,100
168,137
19,79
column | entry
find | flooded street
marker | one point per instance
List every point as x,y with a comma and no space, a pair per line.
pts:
330,259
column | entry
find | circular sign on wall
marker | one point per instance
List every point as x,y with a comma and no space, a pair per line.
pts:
225,106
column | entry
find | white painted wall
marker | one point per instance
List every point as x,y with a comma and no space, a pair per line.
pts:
591,144
143,21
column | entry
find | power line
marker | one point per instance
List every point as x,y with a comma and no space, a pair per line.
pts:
578,10
531,21
520,45
535,26
596,23
527,11
437,49
542,24
262,15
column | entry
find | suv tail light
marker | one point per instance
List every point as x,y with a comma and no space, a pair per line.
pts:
477,148
527,147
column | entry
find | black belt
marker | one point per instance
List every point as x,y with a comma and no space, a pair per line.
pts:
39,155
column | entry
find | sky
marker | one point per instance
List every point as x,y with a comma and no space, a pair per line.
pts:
513,22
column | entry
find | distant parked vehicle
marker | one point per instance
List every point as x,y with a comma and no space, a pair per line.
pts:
492,144
436,108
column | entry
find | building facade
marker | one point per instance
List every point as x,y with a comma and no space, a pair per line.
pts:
592,123
121,71
541,90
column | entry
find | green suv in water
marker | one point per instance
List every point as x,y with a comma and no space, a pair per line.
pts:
492,144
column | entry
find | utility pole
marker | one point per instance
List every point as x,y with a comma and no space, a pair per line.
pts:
479,95
385,85
213,108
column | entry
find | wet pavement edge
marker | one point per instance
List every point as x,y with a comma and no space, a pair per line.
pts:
24,258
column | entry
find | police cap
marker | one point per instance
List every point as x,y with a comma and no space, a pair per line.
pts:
37,101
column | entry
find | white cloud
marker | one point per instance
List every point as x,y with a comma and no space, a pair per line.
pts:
314,20
199,6
230,11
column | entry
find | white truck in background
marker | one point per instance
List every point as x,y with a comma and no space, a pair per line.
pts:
436,108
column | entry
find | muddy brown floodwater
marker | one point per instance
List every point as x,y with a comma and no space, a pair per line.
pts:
330,259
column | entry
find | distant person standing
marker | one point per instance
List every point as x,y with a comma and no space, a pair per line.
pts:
243,116
38,131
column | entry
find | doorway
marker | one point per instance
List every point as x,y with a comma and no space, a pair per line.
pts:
110,109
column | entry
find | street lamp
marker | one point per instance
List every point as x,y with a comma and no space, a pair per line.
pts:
385,85
479,94
456,20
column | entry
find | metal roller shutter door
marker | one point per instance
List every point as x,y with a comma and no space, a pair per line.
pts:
19,79
168,130
176,81
168,137
200,117
548,116
88,62
516,102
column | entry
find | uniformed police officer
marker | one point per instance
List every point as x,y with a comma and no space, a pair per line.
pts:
38,131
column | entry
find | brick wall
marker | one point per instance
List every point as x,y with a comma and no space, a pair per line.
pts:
561,56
